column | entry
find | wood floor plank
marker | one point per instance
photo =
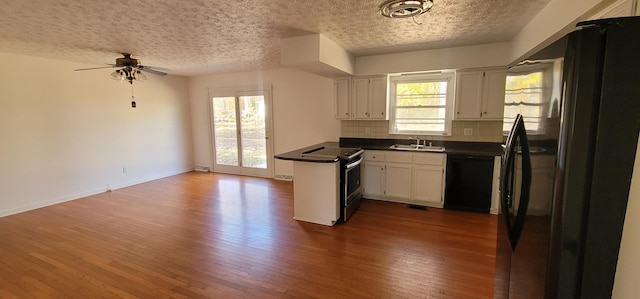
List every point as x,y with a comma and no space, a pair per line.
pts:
205,235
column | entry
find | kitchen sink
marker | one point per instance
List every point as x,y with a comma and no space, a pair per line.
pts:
417,147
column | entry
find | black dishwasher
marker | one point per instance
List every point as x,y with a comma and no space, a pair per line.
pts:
469,182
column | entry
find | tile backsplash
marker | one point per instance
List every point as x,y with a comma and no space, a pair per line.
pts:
481,131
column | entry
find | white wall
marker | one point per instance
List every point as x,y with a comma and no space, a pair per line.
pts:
66,134
556,19
626,283
436,59
302,111
620,8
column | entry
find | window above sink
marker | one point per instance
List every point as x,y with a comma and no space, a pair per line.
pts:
421,104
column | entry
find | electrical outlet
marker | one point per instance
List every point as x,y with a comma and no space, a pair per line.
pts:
124,170
367,130
468,131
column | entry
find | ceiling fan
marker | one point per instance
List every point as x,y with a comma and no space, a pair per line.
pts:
129,70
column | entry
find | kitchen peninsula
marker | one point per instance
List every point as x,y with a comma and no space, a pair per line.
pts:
326,182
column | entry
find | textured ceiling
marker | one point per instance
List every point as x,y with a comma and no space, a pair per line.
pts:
205,36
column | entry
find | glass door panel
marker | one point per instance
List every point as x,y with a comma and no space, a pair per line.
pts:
241,134
225,135
253,131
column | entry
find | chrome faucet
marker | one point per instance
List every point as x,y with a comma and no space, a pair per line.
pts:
417,139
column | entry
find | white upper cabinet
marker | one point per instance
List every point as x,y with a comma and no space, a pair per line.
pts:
362,98
378,95
480,94
468,94
493,94
341,92
369,97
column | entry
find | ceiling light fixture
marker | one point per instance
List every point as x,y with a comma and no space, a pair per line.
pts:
128,74
405,8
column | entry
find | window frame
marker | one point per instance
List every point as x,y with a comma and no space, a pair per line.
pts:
448,76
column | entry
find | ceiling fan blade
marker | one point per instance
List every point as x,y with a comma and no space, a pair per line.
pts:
152,71
95,68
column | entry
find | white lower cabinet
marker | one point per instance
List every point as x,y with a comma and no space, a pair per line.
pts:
373,178
541,190
427,184
398,182
542,181
415,178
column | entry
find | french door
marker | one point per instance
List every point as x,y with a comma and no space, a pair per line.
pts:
241,128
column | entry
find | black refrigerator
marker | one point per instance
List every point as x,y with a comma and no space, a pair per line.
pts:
560,239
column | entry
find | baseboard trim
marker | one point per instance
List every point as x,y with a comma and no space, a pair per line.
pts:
283,177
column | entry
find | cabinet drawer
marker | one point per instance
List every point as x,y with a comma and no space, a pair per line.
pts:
374,156
398,157
429,159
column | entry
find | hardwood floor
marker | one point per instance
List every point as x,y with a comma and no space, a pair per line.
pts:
205,235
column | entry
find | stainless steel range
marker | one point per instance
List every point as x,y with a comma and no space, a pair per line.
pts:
350,177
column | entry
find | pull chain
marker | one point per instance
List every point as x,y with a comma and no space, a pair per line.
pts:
133,100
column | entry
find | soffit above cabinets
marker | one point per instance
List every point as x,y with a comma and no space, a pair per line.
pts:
211,36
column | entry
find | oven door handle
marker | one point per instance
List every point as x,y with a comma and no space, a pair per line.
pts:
356,154
354,164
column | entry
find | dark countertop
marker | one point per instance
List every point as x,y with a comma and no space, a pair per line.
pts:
296,155
450,147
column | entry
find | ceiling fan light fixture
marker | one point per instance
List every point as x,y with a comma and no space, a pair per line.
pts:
128,74
405,8
140,76
116,75
128,69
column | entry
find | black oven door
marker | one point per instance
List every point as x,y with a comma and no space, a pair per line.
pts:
352,177
352,190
